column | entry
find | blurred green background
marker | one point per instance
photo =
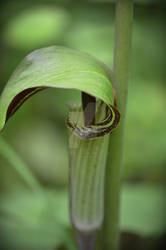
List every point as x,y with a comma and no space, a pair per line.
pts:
34,162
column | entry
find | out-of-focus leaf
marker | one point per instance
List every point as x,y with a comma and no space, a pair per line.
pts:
143,209
36,27
34,222
136,1
145,131
50,168
18,164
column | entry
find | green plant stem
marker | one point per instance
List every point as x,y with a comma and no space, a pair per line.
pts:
123,30
19,166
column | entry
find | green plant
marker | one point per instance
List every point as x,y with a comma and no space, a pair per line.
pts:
65,68
88,124
124,15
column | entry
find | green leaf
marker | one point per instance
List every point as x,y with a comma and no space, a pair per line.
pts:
19,165
56,67
149,218
22,30
28,217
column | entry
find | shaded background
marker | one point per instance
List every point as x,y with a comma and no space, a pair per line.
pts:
34,164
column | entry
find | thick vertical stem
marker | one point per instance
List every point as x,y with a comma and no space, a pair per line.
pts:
124,15
87,160
86,241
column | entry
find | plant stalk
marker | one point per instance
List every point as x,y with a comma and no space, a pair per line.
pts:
123,30
87,160
86,241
